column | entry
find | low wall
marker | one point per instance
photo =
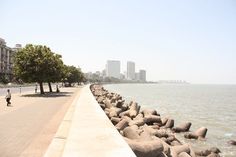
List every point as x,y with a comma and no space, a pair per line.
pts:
91,133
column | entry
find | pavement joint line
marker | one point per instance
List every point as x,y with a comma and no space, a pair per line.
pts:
60,137
67,120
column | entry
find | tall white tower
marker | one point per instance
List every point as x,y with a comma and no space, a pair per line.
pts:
130,70
113,69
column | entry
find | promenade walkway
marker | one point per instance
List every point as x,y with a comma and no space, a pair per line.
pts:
27,128
91,133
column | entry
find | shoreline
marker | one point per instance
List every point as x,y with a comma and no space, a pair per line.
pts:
147,129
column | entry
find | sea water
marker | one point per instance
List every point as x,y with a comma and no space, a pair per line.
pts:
211,106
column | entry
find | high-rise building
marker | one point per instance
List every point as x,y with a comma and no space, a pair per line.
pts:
130,70
136,76
113,69
17,47
104,73
142,75
6,58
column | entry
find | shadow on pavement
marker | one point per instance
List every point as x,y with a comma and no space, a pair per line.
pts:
49,95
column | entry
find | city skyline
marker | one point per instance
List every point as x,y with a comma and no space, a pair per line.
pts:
172,40
113,69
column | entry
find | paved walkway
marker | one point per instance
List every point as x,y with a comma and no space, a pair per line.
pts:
27,128
91,133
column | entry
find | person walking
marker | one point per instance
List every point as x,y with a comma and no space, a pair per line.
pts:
36,87
57,89
8,97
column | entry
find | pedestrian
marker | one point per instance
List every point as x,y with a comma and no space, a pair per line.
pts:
36,87
8,97
57,89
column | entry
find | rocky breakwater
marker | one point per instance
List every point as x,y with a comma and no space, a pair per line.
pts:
146,132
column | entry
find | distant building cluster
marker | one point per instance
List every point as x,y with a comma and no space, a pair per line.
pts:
112,73
130,74
6,58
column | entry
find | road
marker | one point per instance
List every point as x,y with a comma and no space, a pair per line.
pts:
18,90
15,90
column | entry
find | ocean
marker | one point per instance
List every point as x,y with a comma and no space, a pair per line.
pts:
211,106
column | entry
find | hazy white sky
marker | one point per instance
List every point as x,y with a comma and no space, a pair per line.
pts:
184,40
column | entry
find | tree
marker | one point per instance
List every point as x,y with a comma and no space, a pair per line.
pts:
81,76
56,71
4,78
73,75
37,63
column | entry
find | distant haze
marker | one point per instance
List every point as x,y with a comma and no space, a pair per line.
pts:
172,40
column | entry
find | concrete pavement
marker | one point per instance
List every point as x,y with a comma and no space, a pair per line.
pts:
68,124
27,128
91,133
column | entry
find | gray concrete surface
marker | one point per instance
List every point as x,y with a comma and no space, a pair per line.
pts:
91,133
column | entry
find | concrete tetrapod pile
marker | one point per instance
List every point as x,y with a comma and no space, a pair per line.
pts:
146,132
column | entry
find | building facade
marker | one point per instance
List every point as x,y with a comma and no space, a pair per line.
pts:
6,59
142,75
137,78
130,70
17,47
113,69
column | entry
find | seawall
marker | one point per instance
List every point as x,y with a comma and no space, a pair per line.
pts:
87,131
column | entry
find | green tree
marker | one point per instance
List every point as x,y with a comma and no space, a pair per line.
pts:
4,78
73,75
37,63
55,71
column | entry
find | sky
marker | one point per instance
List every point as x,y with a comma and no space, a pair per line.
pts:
192,40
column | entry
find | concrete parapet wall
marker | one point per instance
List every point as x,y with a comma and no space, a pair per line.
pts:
90,133
57,145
